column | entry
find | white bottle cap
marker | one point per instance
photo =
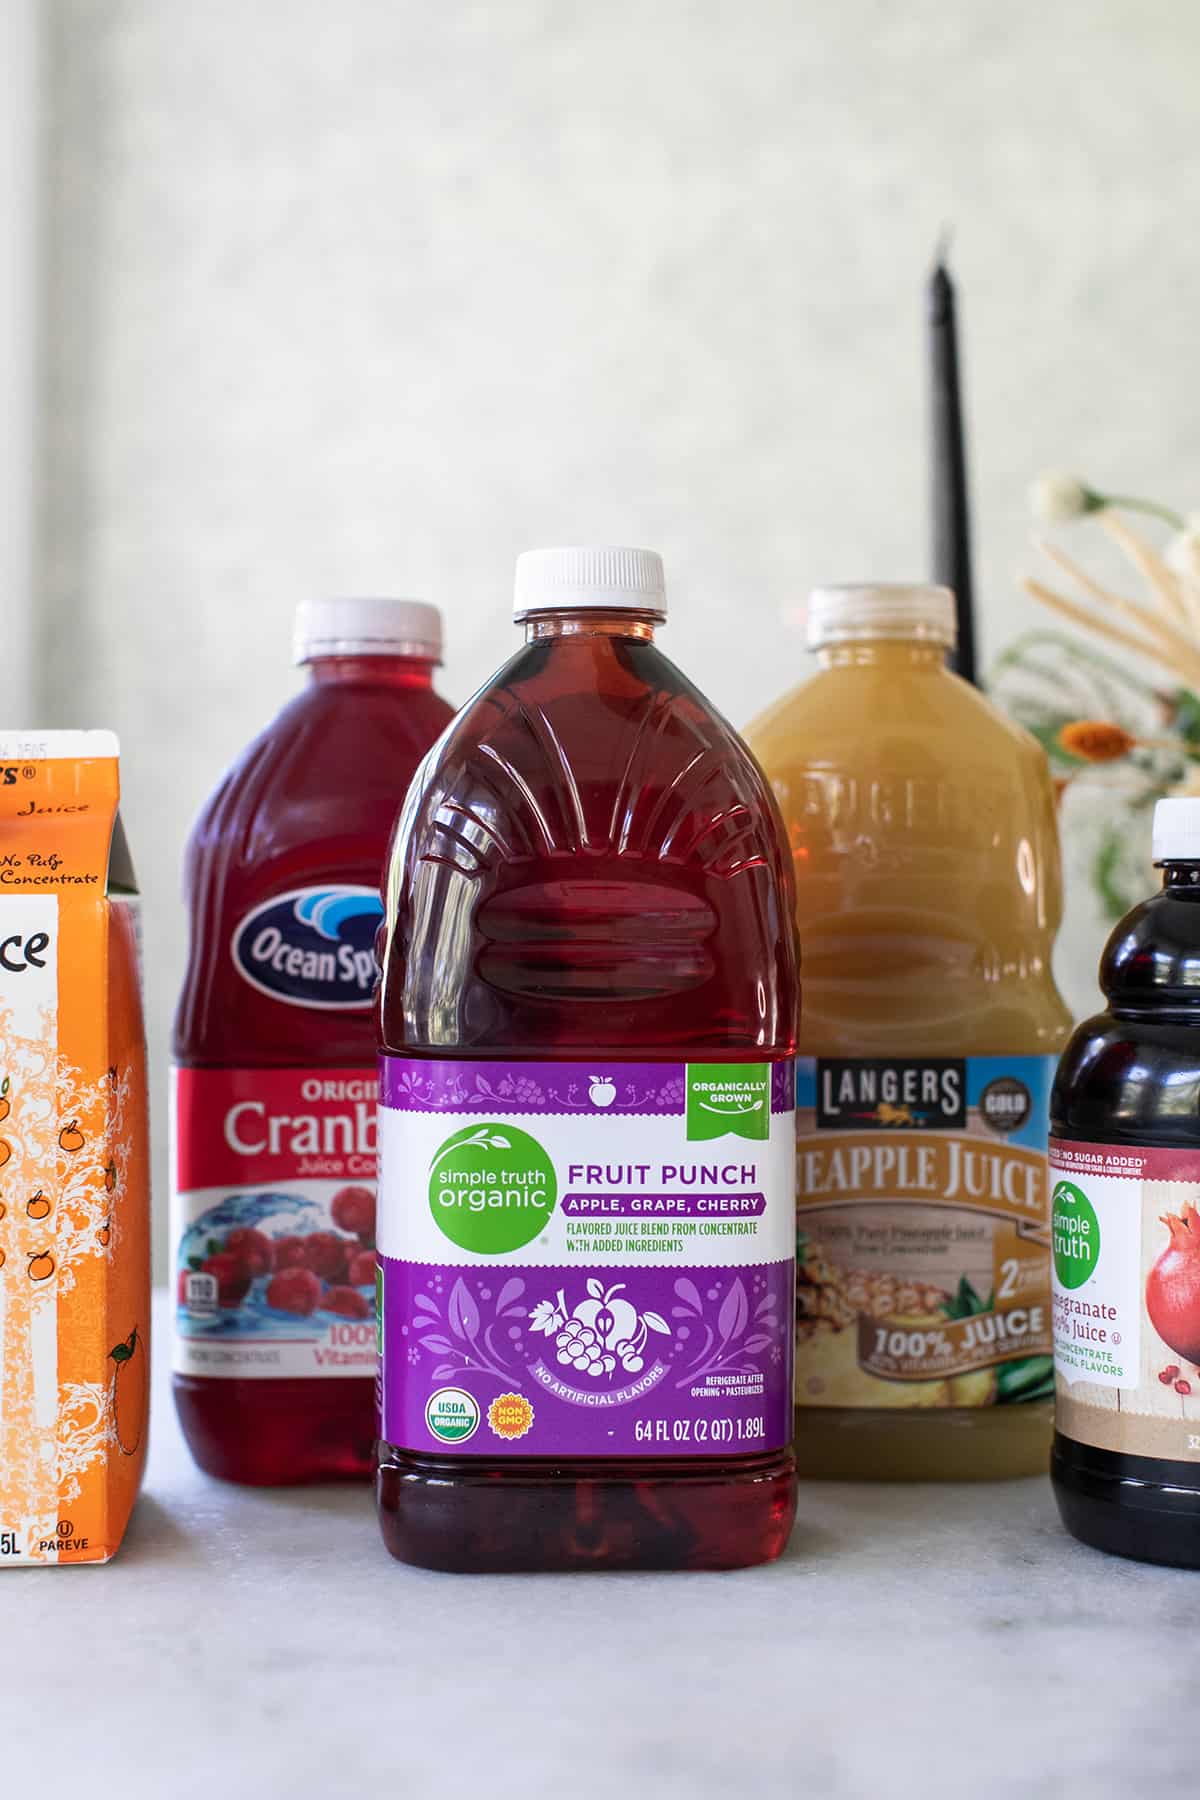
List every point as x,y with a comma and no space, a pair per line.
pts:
839,615
608,578
367,627
1176,834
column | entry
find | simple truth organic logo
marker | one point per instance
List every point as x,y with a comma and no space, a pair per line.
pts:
492,1188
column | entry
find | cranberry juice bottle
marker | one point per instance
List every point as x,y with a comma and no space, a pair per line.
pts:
273,1159
1125,1152
589,1012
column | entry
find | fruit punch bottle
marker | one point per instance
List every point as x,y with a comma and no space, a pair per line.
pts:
586,1190
273,1157
921,822
1125,1152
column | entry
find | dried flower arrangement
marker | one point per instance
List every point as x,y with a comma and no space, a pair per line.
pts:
1121,706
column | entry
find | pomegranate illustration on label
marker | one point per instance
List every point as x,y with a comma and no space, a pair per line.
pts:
1173,1285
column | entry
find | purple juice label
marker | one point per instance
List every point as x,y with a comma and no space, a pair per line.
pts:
586,1261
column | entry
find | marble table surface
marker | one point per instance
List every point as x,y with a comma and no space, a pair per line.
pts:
914,1641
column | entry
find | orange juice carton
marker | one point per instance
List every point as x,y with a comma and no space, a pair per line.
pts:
74,1173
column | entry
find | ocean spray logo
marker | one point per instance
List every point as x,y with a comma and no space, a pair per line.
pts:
312,947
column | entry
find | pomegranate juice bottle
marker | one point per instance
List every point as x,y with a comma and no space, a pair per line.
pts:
273,1155
1125,1155
589,1010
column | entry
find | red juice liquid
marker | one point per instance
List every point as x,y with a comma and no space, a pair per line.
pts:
308,808
588,872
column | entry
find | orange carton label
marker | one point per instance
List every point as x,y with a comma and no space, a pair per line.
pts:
74,1180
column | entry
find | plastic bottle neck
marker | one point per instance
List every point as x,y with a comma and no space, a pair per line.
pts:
904,655
583,622
407,672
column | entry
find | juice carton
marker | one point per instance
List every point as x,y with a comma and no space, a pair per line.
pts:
74,1182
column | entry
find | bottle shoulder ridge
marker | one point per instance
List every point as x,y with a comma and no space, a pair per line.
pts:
532,777
515,730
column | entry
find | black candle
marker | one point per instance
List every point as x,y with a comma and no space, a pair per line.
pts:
948,466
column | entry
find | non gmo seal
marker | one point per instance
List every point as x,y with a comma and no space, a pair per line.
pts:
510,1415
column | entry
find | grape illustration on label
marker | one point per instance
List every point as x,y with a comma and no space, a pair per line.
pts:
600,1332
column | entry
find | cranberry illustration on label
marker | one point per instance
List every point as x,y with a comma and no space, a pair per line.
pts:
290,1252
361,1272
232,1275
253,1247
325,1255
347,1303
294,1291
353,1209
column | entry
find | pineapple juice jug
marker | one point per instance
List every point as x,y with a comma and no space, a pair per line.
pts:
922,831
587,1153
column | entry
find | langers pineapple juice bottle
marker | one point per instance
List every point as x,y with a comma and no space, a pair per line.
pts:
921,824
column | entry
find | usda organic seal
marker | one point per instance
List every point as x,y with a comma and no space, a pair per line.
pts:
452,1415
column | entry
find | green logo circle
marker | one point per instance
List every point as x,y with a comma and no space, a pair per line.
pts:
1076,1235
452,1415
491,1188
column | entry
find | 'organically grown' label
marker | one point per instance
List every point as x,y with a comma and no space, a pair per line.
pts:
581,1261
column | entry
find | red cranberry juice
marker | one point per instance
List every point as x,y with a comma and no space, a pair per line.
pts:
274,1154
586,1191
1125,1155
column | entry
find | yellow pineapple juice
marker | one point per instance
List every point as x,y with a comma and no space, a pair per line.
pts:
74,1183
922,829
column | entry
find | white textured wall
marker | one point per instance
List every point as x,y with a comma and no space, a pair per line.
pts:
20,211
373,295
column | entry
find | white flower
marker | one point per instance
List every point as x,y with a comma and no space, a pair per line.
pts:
1056,497
1183,551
